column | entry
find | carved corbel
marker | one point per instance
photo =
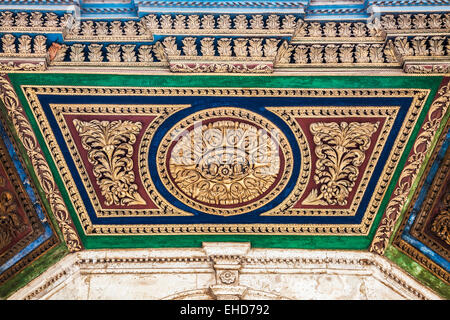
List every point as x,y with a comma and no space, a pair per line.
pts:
226,260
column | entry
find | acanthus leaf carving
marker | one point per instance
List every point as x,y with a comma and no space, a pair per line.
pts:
145,53
193,22
113,53
207,47
110,148
255,47
77,52
25,44
129,55
284,53
8,43
300,55
240,47
256,22
271,47
240,22
273,22
40,44
95,52
180,22
170,46
189,46
224,47
340,149
331,55
420,46
436,46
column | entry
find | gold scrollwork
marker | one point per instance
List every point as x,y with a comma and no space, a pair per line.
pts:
288,114
40,165
340,149
225,166
235,163
110,148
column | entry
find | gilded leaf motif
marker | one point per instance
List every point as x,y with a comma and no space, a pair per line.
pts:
340,149
110,148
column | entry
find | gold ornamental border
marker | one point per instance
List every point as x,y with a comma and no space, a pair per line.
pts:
222,112
417,156
161,112
419,98
44,175
288,114
22,199
408,248
423,217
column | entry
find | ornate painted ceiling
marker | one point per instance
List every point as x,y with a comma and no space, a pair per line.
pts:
153,124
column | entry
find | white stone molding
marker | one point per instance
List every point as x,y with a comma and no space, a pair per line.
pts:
224,271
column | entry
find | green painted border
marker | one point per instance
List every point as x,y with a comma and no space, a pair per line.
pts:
32,271
417,271
50,257
305,242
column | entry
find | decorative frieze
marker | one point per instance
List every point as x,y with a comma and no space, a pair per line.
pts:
116,31
188,41
395,51
224,24
226,55
426,68
25,45
96,52
415,22
334,55
307,32
22,65
33,21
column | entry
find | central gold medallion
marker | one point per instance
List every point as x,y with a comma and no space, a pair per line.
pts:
225,161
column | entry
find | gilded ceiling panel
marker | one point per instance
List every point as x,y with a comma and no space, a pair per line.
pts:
230,161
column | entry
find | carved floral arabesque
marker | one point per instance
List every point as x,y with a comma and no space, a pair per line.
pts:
229,163
340,149
40,165
294,206
22,66
110,148
232,163
417,104
428,68
221,67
